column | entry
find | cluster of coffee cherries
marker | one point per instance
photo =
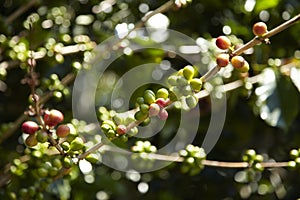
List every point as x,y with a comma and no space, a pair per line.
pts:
193,157
295,155
123,125
253,159
238,62
141,158
41,134
184,85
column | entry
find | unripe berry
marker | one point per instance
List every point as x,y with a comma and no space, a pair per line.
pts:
63,131
172,80
145,122
121,129
237,61
188,72
149,97
67,162
92,158
222,60
191,101
162,93
42,136
154,109
196,84
77,144
259,28
163,114
223,42
29,127
139,116
31,141
245,67
53,117
144,108
140,100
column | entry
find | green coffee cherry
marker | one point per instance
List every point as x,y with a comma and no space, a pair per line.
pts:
172,80
56,163
144,108
53,171
140,100
31,141
110,123
140,116
149,97
245,67
162,93
181,81
67,162
191,101
92,158
294,153
146,122
65,146
196,84
42,172
77,144
42,136
132,132
188,72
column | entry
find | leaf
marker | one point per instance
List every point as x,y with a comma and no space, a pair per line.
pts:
277,99
265,4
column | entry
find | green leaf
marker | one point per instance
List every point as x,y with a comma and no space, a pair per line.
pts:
277,99
265,4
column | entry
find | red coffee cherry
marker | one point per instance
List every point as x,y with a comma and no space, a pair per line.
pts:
223,42
63,131
163,114
222,60
237,61
30,127
162,102
53,117
154,109
259,28
121,129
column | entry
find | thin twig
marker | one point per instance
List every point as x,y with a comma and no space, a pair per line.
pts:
20,11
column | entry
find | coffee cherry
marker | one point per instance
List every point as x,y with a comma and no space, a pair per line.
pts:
162,102
162,93
31,141
149,97
259,28
237,61
42,172
121,129
146,122
65,146
163,114
42,136
29,127
188,72
223,42
140,116
144,108
56,163
154,109
133,131
181,81
196,84
222,60
172,80
77,144
92,158
67,162
62,131
140,100
53,117
191,101
245,67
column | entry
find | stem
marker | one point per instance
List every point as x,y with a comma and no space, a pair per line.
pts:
20,11
89,151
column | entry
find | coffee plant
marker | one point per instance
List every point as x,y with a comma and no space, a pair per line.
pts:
102,100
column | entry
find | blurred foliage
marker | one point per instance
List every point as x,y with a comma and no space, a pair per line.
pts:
263,116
